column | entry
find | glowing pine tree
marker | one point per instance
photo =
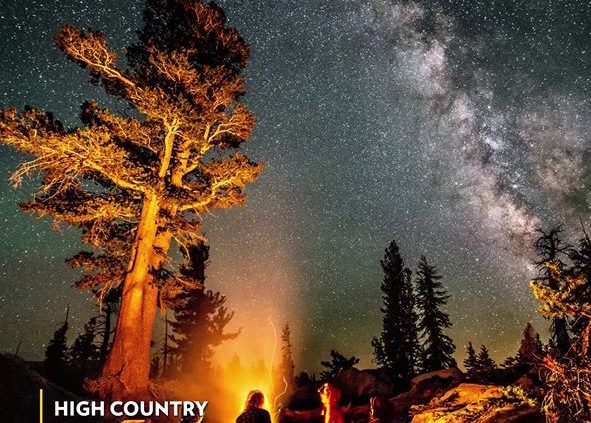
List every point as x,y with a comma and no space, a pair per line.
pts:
568,377
551,249
137,184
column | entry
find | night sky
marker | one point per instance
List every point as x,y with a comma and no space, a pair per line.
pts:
454,127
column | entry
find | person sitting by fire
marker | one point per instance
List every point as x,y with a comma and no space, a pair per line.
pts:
330,411
253,410
329,397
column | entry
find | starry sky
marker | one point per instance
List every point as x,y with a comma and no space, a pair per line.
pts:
455,127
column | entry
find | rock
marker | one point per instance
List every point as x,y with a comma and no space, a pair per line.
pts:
471,402
425,387
363,384
467,393
19,393
427,378
522,413
529,385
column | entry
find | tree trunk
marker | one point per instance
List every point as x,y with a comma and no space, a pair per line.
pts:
126,372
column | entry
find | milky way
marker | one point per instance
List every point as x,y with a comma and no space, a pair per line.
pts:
456,128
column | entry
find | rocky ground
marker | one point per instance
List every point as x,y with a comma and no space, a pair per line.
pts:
471,402
439,397
19,394
445,396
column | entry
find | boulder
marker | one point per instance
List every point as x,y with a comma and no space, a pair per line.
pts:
471,402
444,374
521,413
19,393
529,385
467,393
363,384
425,387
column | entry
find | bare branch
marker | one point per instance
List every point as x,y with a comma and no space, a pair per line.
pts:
90,49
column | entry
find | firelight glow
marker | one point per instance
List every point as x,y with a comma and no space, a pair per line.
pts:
356,157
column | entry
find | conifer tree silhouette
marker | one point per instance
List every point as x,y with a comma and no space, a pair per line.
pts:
84,353
56,353
567,376
581,259
336,365
471,361
438,348
397,349
486,365
200,317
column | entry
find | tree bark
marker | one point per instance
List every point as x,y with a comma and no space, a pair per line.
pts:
126,372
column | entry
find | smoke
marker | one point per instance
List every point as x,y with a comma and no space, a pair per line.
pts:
226,385
226,388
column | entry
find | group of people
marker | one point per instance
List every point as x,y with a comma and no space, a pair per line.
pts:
255,413
331,411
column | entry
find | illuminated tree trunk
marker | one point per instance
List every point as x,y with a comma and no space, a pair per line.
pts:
126,371
182,134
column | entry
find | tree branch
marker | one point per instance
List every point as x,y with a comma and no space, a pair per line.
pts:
171,130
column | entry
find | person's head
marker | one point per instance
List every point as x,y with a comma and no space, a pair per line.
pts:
329,394
255,399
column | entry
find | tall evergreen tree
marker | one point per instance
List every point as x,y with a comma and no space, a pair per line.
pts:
166,353
284,376
104,274
84,353
397,349
551,251
486,365
287,366
336,365
56,353
438,348
200,317
471,361
530,350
